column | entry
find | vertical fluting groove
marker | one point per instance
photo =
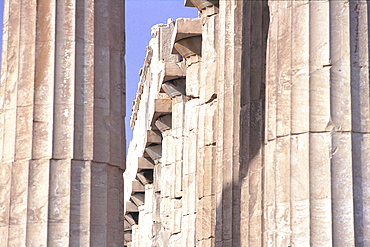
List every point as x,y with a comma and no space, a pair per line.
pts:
300,67
361,157
359,33
219,144
256,122
271,68
80,203
98,222
319,66
116,140
84,89
10,92
236,41
284,63
63,124
83,125
227,105
5,169
44,81
102,84
4,62
23,125
108,154
219,234
64,80
227,181
270,134
245,123
116,22
340,97
237,16
99,167
26,78
320,122
299,160
16,193
359,37
42,131
116,128
115,207
37,205
282,155
262,106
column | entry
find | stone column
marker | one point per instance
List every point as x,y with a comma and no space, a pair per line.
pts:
61,123
227,146
317,124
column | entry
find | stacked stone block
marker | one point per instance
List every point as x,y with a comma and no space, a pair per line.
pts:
183,181
156,134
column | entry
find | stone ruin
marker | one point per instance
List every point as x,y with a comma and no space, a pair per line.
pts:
251,126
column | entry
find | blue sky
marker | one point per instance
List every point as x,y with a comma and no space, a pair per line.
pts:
141,15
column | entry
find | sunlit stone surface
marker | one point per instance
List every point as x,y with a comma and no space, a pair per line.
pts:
251,126
62,137
268,144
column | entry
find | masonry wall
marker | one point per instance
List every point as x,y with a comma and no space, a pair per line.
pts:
152,190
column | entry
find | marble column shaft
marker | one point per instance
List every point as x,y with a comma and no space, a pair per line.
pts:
292,170
61,123
227,146
317,124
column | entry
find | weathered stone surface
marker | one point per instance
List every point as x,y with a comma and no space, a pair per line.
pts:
137,186
130,219
164,123
127,226
153,137
186,28
131,207
270,136
154,152
144,163
174,87
48,133
145,177
138,199
173,71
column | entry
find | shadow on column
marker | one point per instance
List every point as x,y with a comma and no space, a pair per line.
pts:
359,86
255,19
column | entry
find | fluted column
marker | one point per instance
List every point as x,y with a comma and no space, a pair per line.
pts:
360,107
228,97
317,124
61,123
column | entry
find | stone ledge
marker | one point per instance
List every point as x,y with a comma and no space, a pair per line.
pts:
174,71
161,107
185,28
200,4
